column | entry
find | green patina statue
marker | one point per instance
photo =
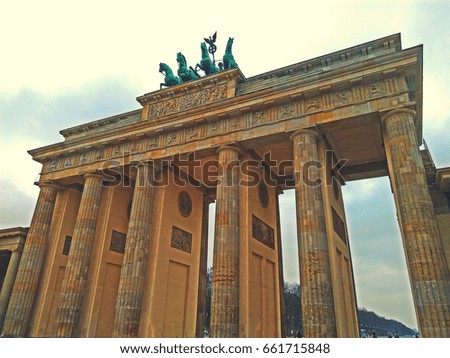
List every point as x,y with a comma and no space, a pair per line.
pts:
228,58
186,74
206,65
169,78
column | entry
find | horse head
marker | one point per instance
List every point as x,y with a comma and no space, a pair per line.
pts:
204,49
181,59
230,42
162,67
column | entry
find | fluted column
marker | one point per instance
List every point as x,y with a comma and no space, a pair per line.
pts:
318,311
134,265
8,283
27,278
203,270
225,279
75,278
427,267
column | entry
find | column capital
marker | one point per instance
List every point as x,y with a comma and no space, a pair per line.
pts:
397,111
50,184
310,131
94,175
233,147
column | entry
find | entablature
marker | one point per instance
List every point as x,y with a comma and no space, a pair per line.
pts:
375,85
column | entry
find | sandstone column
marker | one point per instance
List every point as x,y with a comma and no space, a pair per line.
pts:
203,270
225,279
315,271
75,278
27,278
134,265
8,283
427,267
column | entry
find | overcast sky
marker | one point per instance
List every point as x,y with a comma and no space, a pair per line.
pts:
64,63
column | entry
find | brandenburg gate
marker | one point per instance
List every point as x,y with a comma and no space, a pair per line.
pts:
117,246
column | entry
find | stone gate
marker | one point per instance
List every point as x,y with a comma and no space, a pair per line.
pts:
118,242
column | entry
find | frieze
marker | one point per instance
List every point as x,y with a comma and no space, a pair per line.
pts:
188,101
298,106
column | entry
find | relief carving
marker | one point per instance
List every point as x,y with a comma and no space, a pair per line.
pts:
342,98
118,240
236,123
375,90
311,105
152,143
263,232
171,139
181,240
84,158
286,110
258,117
191,134
190,100
68,162
133,147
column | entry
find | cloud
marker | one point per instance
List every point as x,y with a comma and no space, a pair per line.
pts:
32,114
16,207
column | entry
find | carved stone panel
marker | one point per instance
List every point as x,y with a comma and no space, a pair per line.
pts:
338,225
118,240
67,243
181,240
187,101
263,232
